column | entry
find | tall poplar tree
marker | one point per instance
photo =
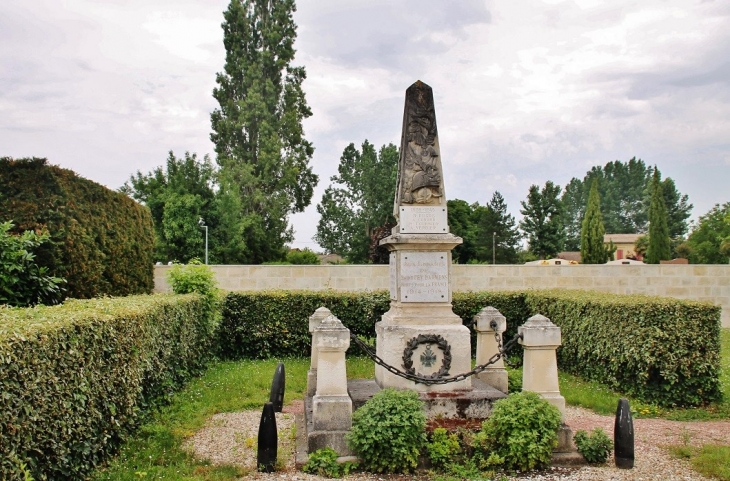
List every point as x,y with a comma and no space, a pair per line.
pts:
592,248
660,248
257,130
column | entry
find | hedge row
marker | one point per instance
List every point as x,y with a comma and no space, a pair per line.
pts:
664,351
102,241
661,350
75,378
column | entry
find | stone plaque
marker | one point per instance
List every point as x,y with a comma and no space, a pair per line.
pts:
423,220
424,277
393,277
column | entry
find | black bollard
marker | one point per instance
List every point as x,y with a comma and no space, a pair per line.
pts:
623,436
268,440
277,388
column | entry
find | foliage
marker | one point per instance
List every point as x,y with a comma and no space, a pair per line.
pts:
594,447
624,192
641,244
178,196
521,432
77,377
543,220
592,248
101,241
480,227
708,236
197,277
323,462
659,248
659,350
257,131
359,201
442,448
22,282
304,256
388,432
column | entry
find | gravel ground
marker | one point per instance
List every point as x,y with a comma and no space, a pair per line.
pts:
230,438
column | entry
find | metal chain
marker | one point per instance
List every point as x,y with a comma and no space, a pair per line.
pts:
498,338
428,380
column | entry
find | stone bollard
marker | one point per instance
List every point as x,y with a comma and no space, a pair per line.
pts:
331,404
314,321
540,339
495,375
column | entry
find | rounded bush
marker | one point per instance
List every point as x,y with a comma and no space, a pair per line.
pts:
388,432
594,447
520,434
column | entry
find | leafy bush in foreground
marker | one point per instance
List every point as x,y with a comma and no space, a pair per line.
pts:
388,432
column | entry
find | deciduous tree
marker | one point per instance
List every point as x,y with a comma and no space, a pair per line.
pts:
178,195
542,221
710,237
359,201
257,129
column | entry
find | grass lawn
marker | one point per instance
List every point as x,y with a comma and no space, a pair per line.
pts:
154,452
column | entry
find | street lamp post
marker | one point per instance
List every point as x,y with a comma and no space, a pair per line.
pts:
494,250
201,223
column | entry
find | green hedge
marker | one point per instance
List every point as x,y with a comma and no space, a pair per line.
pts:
102,241
659,350
276,323
75,378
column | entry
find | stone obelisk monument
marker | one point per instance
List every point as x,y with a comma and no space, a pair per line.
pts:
420,333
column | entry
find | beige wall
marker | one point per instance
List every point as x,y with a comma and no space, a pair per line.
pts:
700,282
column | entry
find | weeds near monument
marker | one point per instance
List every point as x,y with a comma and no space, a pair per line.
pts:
443,447
594,447
323,462
388,432
520,434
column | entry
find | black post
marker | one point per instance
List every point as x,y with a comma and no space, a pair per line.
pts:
277,388
623,436
268,440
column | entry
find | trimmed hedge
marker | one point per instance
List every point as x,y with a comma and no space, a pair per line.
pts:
260,325
660,350
75,378
102,241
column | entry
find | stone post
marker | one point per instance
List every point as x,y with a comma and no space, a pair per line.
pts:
495,375
314,321
331,405
540,339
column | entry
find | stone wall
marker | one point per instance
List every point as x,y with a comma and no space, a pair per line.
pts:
700,282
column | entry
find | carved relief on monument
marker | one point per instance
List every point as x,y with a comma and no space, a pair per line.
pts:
420,170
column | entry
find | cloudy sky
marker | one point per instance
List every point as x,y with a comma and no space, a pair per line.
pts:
525,91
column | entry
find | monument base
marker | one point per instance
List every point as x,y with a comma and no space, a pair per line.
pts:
443,346
473,404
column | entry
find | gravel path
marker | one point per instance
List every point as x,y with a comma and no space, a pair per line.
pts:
230,438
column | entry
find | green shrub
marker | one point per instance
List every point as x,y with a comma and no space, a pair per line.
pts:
661,351
304,256
443,448
323,462
388,431
76,378
22,281
520,434
596,447
101,241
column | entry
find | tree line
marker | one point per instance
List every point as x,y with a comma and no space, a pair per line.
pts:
262,174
